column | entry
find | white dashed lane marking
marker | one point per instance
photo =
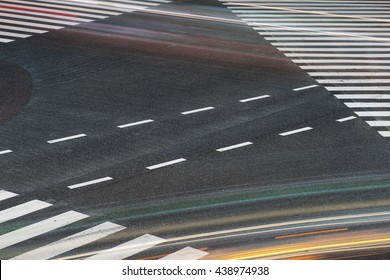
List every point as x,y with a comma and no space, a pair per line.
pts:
135,123
93,182
66,138
164,164
5,152
295,131
234,146
254,98
197,110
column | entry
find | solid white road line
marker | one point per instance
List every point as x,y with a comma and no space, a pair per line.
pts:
6,194
295,131
71,242
254,98
187,253
346,119
373,113
90,183
197,110
363,96
361,88
356,81
22,209
234,146
5,152
384,133
378,123
368,104
135,123
129,248
66,138
28,232
166,163
306,87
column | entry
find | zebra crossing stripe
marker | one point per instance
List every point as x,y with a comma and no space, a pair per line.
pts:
187,253
129,248
71,242
58,14
6,195
22,209
28,232
355,43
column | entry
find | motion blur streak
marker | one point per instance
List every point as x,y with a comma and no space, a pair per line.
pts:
332,246
311,233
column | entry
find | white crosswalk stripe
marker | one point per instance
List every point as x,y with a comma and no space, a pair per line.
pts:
344,45
82,238
187,253
129,248
69,243
28,232
22,209
6,195
38,17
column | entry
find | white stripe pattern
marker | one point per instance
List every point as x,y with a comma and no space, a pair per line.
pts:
344,45
76,240
40,17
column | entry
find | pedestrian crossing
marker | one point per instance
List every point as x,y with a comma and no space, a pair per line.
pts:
344,45
48,223
21,19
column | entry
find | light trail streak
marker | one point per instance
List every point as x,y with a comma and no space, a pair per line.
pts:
311,233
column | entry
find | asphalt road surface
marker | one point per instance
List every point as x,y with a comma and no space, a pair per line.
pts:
173,129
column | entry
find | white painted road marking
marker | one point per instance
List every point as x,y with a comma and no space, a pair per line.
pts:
295,131
379,123
166,163
90,183
346,119
28,232
6,194
66,138
22,209
363,96
254,98
129,248
368,104
234,146
187,253
373,113
71,242
384,133
5,152
135,123
197,110
303,88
